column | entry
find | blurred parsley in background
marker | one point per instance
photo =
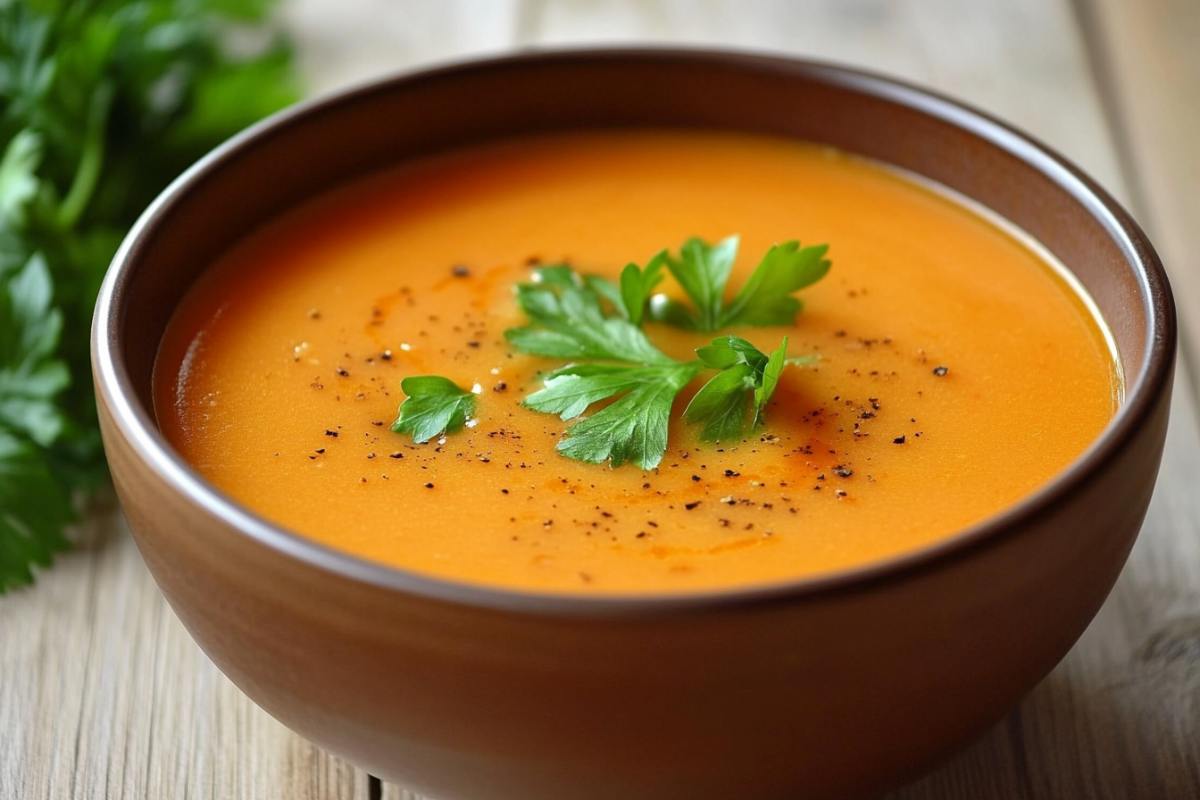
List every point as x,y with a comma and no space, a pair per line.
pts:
102,103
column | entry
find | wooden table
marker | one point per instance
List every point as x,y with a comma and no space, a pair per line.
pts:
103,695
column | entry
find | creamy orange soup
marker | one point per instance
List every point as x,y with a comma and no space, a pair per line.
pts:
280,374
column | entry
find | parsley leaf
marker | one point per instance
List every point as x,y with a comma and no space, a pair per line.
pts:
702,270
568,321
34,510
18,181
434,405
30,377
733,401
766,297
637,285
632,429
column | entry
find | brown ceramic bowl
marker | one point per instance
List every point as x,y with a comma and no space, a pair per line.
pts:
835,686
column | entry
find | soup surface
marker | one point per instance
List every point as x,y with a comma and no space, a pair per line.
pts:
958,371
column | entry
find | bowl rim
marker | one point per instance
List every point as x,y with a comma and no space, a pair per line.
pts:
135,424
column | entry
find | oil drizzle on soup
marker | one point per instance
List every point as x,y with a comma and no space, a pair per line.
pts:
958,371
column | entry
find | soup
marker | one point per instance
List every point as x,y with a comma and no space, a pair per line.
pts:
957,370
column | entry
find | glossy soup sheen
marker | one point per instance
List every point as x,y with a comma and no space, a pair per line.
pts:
279,375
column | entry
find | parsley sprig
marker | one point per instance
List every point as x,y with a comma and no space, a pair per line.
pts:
101,104
596,325
569,320
433,405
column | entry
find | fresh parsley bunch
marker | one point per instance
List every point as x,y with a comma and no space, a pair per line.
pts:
595,324
102,103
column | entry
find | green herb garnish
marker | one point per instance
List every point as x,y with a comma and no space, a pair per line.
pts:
434,405
632,429
569,321
702,270
101,105
595,322
744,384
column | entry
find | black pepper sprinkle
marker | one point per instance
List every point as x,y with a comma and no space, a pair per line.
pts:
940,371
842,472
460,271
898,440
396,454
500,387
428,485
342,372
729,473
331,433
691,505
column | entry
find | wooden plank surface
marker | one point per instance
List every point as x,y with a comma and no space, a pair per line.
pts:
1147,59
102,694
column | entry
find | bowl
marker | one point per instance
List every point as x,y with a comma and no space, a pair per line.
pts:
841,685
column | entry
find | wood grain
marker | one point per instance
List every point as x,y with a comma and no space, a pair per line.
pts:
102,693
1147,60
